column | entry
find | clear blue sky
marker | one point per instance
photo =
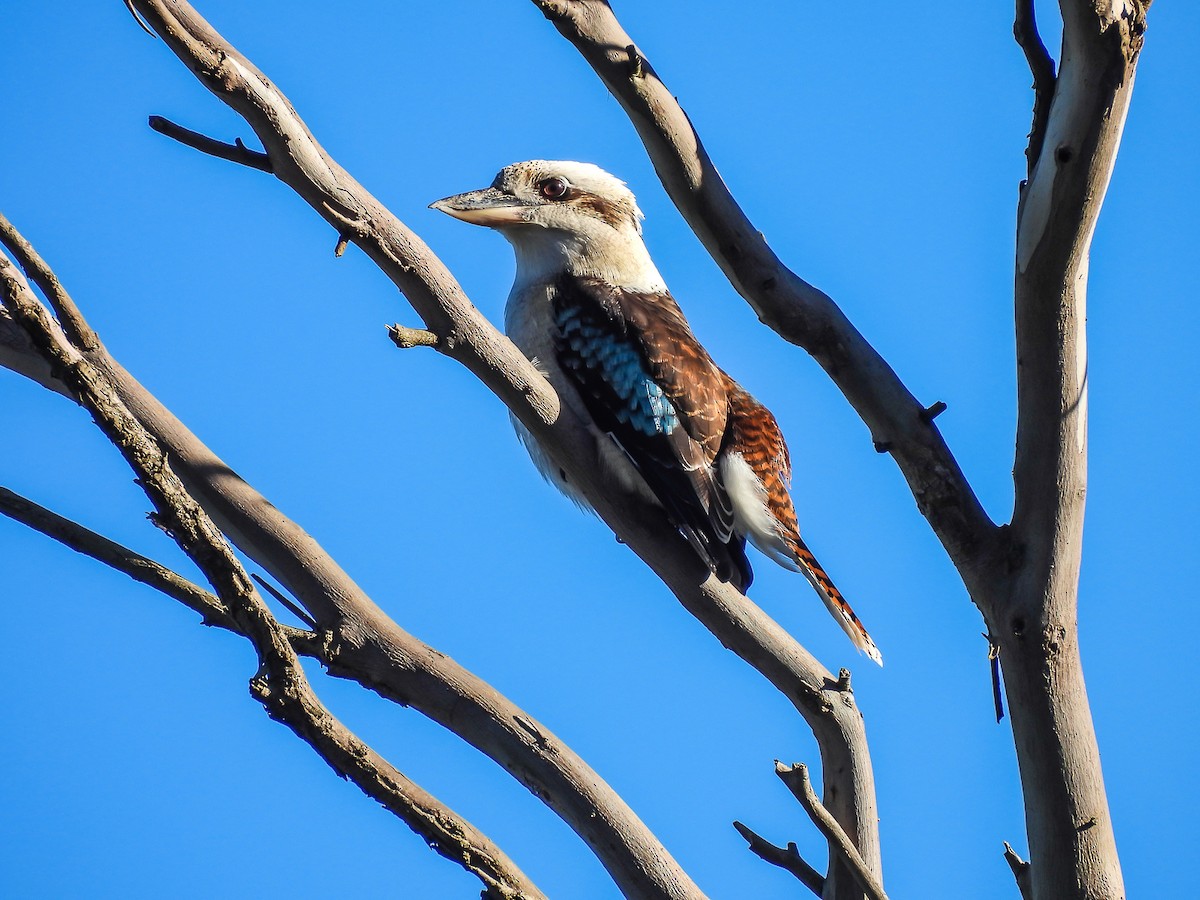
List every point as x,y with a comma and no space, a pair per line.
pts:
879,153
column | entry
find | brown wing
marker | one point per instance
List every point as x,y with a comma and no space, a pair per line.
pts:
647,382
677,361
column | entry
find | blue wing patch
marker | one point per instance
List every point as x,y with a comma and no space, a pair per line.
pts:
642,405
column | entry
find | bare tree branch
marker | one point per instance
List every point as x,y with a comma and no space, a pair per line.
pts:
1032,611
787,858
280,684
140,568
136,566
299,161
371,649
794,309
1025,30
73,324
236,152
796,778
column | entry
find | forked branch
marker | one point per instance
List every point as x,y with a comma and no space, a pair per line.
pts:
787,858
280,683
797,780
1032,611
793,308
463,334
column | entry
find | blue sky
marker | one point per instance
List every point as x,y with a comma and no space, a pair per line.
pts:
882,169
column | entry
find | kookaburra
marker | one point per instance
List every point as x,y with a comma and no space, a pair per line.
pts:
590,309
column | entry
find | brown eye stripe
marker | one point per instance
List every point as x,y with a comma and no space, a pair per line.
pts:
615,214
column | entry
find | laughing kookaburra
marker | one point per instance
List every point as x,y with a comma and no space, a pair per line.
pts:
590,309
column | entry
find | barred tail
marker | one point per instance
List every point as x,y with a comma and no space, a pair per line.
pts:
834,601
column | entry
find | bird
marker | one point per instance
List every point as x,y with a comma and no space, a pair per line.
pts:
589,308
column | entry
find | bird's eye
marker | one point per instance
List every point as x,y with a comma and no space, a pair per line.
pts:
553,188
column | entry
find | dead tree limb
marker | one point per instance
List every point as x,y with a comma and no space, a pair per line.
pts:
140,568
787,858
1032,613
300,162
797,311
797,780
280,683
1024,577
236,152
368,647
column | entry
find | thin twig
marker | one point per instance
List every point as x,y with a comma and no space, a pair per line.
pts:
788,858
1020,870
296,610
140,568
796,778
136,566
236,152
1025,30
47,282
141,22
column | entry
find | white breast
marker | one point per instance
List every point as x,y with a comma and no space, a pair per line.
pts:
528,323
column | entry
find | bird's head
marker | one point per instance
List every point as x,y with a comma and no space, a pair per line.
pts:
562,216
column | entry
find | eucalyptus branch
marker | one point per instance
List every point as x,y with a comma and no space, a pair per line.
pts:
1031,612
140,568
236,152
367,647
280,683
787,858
796,778
36,269
465,335
1025,30
794,309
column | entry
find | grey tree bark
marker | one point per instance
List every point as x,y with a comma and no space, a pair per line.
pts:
1023,576
362,642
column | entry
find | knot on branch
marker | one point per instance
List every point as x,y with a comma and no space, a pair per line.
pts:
407,338
636,67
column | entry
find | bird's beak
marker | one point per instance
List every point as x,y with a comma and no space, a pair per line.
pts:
491,207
